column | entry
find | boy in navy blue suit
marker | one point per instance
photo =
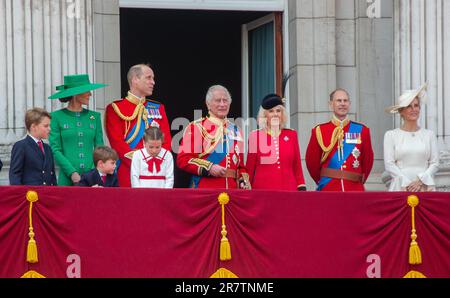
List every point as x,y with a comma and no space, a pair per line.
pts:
103,175
31,159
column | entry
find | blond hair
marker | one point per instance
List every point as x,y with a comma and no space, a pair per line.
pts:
262,117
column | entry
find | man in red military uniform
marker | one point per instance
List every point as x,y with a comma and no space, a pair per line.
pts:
339,156
212,147
127,119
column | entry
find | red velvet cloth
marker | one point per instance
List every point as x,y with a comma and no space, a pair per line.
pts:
176,233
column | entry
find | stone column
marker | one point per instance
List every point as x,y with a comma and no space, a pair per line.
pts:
335,44
421,55
41,42
370,79
312,42
107,52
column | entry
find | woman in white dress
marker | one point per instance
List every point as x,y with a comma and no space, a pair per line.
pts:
411,156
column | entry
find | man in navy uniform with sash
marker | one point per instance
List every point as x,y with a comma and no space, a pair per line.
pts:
127,119
212,147
339,156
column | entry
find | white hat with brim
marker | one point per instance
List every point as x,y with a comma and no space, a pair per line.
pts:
407,98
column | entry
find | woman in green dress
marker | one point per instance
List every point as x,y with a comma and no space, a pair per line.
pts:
75,131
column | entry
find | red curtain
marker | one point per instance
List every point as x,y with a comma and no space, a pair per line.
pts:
176,233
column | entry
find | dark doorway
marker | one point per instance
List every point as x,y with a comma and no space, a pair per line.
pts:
189,51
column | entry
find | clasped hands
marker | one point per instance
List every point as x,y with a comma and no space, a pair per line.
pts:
416,186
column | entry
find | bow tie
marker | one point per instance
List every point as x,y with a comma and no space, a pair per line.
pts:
154,161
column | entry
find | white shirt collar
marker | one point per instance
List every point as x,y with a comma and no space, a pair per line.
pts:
160,154
34,139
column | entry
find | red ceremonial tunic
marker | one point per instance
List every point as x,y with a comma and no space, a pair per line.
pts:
200,139
274,162
120,118
360,161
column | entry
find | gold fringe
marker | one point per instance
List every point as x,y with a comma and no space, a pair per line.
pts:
140,112
225,248
223,273
414,274
32,253
336,138
415,255
32,274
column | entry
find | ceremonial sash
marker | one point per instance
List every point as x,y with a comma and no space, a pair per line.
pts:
153,112
216,156
335,163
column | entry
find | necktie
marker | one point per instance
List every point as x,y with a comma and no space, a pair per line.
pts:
41,146
103,179
154,161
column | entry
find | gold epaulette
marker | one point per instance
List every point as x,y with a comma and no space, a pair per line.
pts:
130,154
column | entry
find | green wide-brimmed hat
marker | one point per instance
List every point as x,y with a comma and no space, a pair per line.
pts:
75,84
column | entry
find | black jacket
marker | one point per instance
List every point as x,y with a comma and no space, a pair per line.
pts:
29,166
93,177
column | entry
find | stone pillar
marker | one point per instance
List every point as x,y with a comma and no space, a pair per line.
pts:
41,42
107,52
312,42
367,70
421,55
335,44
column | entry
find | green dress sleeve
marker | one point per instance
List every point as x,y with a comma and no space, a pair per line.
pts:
99,132
55,141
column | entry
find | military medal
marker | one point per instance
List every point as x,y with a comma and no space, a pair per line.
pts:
236,149
356,154
235,159
154,124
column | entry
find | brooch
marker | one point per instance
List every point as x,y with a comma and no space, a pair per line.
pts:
356,153
92,117
235,159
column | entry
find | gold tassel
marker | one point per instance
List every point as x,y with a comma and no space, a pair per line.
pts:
415,255
223,273
225,248
32,253
32,274
414,274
